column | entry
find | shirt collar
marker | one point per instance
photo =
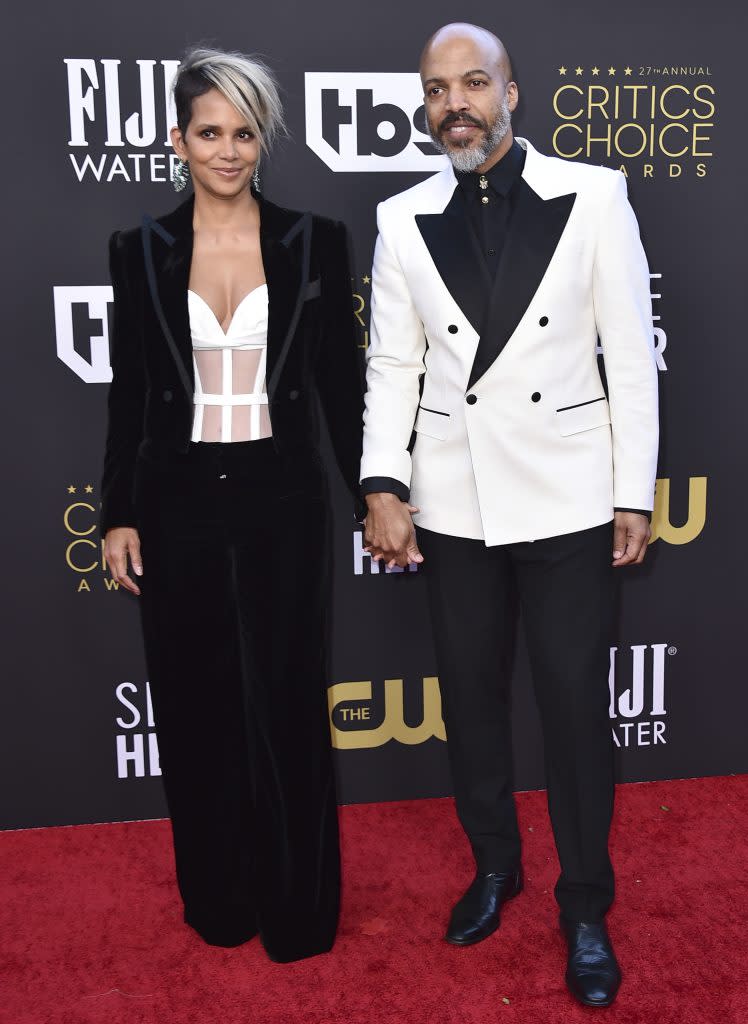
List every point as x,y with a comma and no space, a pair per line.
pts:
501,177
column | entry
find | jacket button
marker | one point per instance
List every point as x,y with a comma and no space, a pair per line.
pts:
471,399
543,321
536,396
452,328
293,395
167,395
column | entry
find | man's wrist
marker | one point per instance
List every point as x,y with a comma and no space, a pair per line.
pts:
382,499
636,511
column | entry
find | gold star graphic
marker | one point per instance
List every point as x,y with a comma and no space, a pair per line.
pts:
596,71
611,71
627,72
578,71
366,279
71,489
562,71
88,489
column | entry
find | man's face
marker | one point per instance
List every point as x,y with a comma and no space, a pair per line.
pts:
468,102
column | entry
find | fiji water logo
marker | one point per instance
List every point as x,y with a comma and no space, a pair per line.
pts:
638,708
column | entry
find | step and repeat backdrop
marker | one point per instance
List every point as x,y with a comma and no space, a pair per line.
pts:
655,91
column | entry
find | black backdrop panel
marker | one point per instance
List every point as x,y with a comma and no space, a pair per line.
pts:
653,90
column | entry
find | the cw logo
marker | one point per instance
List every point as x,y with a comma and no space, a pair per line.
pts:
352,703
662,526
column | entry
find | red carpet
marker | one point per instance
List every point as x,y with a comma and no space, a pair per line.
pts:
90,925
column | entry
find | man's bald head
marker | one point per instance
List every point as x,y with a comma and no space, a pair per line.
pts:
459,32
469,95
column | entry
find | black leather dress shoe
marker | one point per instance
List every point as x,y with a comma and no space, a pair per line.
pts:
478,914
592,973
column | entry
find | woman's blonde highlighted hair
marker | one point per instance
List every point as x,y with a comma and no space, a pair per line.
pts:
246,82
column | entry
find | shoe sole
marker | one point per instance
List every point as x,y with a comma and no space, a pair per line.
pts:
483,935
592,1002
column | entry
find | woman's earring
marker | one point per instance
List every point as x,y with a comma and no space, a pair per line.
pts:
180,176
256,180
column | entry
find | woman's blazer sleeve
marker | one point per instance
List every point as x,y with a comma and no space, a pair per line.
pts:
126,396
339,367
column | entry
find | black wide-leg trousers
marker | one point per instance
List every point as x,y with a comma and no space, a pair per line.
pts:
565,588
234,601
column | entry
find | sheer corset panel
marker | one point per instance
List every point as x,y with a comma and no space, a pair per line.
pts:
231,402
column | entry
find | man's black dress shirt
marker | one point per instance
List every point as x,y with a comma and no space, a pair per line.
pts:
490,199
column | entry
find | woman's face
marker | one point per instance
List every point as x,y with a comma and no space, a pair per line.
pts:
218,145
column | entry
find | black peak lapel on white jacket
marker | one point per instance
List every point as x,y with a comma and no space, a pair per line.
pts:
456,253
534,232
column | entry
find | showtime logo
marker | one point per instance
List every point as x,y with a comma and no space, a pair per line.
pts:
369,122
118,112
136,740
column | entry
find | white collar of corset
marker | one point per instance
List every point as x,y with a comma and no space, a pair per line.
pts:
248,327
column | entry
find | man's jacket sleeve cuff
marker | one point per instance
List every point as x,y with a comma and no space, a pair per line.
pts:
639,511
384,485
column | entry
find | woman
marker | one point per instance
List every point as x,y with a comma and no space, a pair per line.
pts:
231,315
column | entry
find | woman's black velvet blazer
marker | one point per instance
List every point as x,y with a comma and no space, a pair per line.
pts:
312,349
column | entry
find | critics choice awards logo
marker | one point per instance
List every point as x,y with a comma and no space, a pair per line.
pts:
83,547
120,116
648,121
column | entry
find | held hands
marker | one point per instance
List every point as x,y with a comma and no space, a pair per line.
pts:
389,533
631,533
120,542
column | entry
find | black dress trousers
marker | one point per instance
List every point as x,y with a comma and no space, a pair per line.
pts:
565,588
234,598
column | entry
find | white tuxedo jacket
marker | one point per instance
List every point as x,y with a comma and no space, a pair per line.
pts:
515,438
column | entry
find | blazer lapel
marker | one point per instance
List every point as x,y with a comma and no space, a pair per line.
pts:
285,241
534,233
456,253
167,255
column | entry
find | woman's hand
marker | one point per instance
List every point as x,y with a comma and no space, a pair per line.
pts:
120,542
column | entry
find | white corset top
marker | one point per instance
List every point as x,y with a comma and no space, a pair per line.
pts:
231,402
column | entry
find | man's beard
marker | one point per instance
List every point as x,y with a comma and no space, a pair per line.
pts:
466,158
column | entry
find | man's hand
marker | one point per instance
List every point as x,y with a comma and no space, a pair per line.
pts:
120,542
389,532
631,533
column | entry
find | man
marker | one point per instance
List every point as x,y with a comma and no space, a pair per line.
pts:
492,281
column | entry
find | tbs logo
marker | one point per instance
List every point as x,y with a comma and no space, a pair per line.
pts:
368,122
